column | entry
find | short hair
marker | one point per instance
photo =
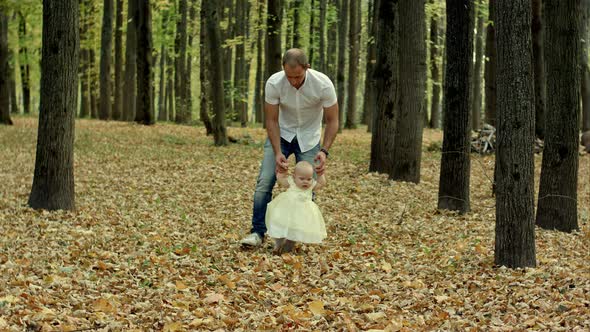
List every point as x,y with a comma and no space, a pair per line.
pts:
295,56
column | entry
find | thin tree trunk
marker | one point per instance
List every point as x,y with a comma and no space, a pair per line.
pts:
12,82
435,104
24,64
353,65
370,100
170,86
296,23
4,71
412,53
322,50
85,105
453,192
387,86
273,56
240,84
189,62
539,67
118,103
94,85
53,180
332,57
515,228
258,86
216,73
180,61
204,77
311,32
129,85
342,32
143,25
490,67
476,95
557,204
162,114
105,61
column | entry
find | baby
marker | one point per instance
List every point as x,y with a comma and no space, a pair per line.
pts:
292,216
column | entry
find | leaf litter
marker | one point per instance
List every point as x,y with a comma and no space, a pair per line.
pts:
152,244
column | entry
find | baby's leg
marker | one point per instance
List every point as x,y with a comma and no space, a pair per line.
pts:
278,247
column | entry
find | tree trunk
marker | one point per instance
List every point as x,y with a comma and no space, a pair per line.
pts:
4,71
387,86
118,103
189,62
557,205
342,29
240,84
322,50
94,85
311,32
435,104
204,77
53,181
332,57
539,68
143,26
476,95
162,114
85,106
412,53
216,72
259,84
24,64
12,81
490,67
296,23
170,86
180,62
515,228
370,100
585,73
453,192
105,61
353,65
129,86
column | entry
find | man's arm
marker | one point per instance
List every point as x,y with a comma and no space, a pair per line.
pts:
331,129
271,114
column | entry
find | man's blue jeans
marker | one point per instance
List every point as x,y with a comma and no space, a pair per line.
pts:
267,178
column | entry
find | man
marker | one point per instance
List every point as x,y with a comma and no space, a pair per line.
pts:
296,98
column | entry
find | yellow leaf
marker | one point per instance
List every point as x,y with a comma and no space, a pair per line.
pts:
103,305
227,281
316,307
181,285
173,327
480,249
375,316
386,267
214,298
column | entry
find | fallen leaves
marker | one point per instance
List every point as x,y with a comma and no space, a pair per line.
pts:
153,245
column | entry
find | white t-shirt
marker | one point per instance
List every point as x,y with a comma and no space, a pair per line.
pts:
301,110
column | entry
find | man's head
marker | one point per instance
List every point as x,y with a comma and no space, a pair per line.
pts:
295,64
303,174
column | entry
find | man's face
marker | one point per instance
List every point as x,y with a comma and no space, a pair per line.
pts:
295,74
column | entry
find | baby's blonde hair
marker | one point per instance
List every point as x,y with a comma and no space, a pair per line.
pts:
303,165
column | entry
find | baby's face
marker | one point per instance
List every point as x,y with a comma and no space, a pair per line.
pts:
303,178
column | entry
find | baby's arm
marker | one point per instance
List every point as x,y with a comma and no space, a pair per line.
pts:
282,179
321,182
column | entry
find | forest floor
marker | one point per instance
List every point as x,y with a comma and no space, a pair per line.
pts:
153,244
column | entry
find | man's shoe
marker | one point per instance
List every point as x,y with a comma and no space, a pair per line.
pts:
252,240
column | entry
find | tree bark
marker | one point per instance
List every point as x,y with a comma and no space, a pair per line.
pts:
216,73
332,57
106,44
129,85
515,229
24,64
311,32
259,84
412,53
490,67
353,65
53,180
12,81
118,103
94,85
387,87
370,100
476,95
4,71
322,50
539,68
240,85
180,62
84,60
162,112
585,72
340,85
296,23
435,103
204,77
189,62
453,192
143,26
557,204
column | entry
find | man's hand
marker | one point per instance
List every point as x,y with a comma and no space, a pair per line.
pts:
281,163
320,160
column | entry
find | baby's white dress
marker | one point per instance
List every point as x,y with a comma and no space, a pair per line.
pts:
294,216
